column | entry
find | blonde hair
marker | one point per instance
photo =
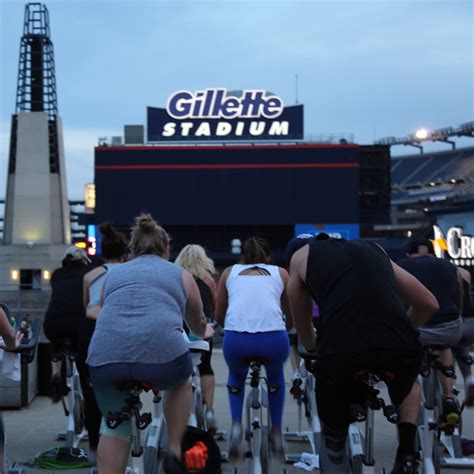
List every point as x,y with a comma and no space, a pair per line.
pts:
148,237
193,258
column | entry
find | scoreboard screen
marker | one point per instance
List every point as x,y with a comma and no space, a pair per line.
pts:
228,185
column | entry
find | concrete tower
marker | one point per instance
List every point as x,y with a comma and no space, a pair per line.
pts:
36,222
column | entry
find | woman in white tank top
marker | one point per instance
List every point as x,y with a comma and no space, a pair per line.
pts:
252,306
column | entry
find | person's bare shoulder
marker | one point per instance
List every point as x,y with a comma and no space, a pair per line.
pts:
89,277
465,274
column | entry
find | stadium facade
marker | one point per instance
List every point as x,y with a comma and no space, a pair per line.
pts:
217,167
433,196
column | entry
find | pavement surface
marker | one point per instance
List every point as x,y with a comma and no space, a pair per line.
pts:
31,430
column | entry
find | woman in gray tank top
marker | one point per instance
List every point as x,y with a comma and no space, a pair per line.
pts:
138,337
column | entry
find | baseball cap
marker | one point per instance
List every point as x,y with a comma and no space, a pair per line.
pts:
296,243
75,253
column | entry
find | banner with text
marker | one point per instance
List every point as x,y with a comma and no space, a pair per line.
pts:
213,114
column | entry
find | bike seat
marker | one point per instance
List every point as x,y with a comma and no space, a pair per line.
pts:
63,348
134,386
366,375
254,362
199,345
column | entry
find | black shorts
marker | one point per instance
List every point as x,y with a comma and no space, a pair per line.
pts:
205,367
337,389
59,330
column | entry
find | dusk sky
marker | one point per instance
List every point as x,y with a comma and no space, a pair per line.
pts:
373,68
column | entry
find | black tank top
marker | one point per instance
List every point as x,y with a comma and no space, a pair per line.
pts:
440,277
467,307
206,298
353,284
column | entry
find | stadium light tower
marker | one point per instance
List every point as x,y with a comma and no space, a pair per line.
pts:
421,134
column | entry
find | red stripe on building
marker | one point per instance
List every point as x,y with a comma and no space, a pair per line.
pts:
229,166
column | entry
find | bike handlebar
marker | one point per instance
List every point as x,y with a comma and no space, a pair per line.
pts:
28,346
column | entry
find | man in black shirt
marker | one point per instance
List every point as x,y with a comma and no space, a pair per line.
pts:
362,325
444,328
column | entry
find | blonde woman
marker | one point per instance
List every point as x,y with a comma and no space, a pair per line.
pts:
193,258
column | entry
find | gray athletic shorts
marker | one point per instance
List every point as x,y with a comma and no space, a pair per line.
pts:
445,334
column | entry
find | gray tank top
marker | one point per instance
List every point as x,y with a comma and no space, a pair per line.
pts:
95,288
142,316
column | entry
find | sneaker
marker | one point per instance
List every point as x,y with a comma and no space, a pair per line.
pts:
451,412
469,391
173,465
405,464
211,422
235,440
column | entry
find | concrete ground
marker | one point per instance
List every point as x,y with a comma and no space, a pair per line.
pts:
33,429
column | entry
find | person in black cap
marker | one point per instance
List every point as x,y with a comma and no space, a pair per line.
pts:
362,325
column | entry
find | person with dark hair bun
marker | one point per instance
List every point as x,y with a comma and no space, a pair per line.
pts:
251,306
138,336
114,250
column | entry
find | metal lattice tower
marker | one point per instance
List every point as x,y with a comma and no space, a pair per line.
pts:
36,87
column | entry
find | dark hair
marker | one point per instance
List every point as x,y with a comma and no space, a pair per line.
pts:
255,250
295,244
114,243
413,246
322,236
148,237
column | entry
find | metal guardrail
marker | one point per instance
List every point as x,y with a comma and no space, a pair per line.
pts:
22,299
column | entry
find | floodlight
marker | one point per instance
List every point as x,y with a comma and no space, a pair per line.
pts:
421,134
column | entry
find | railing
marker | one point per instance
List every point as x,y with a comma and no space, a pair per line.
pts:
23,299
325,139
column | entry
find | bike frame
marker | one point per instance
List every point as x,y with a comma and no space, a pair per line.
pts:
429,428
74,387
255,403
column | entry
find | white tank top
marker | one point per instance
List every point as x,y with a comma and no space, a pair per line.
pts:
254,301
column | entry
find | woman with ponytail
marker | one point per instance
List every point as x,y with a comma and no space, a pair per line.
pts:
138,336
251,306
114,250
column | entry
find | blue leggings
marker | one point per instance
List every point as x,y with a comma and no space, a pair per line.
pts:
239,348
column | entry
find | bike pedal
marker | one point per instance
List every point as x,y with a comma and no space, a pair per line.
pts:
143,421
452,419
425,371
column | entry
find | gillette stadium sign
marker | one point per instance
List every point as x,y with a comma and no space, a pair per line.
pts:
456,246
215,114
